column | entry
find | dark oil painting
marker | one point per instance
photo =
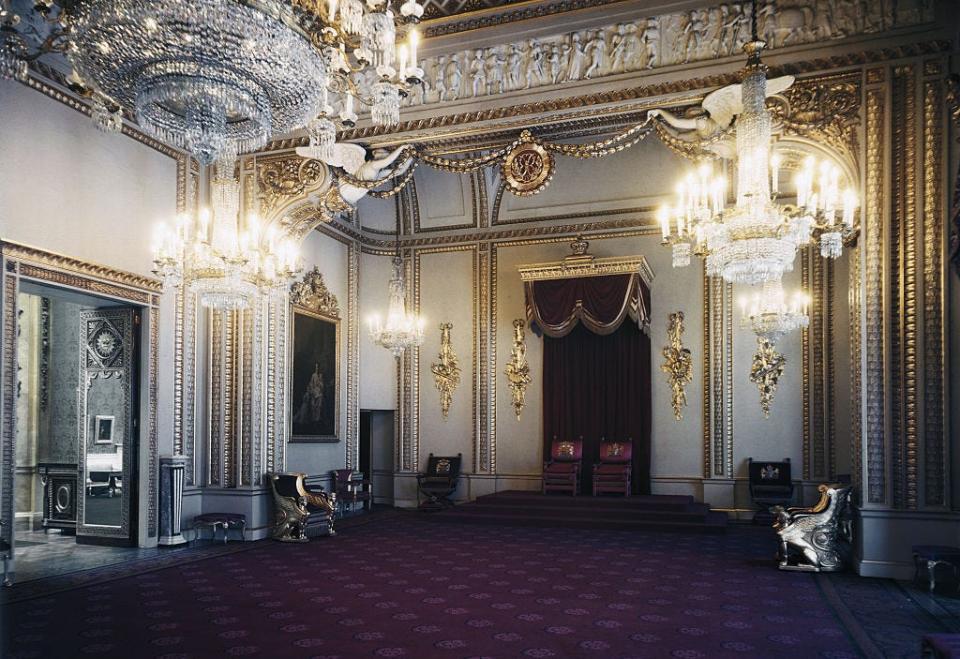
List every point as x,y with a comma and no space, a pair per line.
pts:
315,383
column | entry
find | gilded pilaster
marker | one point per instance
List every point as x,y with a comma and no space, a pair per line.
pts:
728,375
246,410
482,303
854,305
8,376
904,424
706,372
153,440
353,354
805,369
717,369
215,448
875,339
934,304
492,364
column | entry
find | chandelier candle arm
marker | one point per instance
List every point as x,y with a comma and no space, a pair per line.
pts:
756,240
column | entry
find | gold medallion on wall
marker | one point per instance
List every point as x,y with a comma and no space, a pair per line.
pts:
528,168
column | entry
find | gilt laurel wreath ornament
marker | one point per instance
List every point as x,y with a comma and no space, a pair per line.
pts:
678,364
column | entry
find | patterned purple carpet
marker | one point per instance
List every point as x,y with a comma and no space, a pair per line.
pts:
410,587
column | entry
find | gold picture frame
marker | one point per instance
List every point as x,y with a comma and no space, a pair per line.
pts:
314,408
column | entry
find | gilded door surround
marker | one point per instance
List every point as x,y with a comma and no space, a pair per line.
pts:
23,263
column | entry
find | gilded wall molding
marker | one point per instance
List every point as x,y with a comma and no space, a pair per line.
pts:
902,280
707,376
805,393
855,326
717,369
486,402
8,376
875,341
353,355
936,456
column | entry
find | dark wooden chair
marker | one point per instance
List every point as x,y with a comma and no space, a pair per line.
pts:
351,488
439,481
614,472
771,485
562,472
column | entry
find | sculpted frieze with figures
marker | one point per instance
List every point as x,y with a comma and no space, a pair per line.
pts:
653,42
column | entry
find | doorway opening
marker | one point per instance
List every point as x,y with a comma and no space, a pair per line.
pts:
77,431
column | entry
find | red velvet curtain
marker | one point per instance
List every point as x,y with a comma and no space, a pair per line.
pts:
599,386
555,307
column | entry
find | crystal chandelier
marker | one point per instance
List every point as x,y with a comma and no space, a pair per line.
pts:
756,240
402,330
212,76
226,265
769,315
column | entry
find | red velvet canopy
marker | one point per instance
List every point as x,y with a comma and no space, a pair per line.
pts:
556,306
596,367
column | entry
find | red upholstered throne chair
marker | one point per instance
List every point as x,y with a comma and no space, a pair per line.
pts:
615,469
562,472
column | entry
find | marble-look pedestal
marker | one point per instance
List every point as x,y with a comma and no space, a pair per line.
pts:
171,500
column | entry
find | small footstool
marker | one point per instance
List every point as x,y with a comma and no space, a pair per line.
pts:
226,521
928,557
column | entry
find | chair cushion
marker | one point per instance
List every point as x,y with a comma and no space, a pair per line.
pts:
561,468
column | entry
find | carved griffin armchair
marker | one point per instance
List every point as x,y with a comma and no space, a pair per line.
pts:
816,539
300,512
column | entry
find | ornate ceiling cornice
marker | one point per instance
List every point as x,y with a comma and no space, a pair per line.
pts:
451,17
15,251
454,126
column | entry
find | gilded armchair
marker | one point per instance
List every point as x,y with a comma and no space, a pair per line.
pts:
816,539
300,512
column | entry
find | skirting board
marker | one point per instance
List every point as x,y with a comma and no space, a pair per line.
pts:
884,569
